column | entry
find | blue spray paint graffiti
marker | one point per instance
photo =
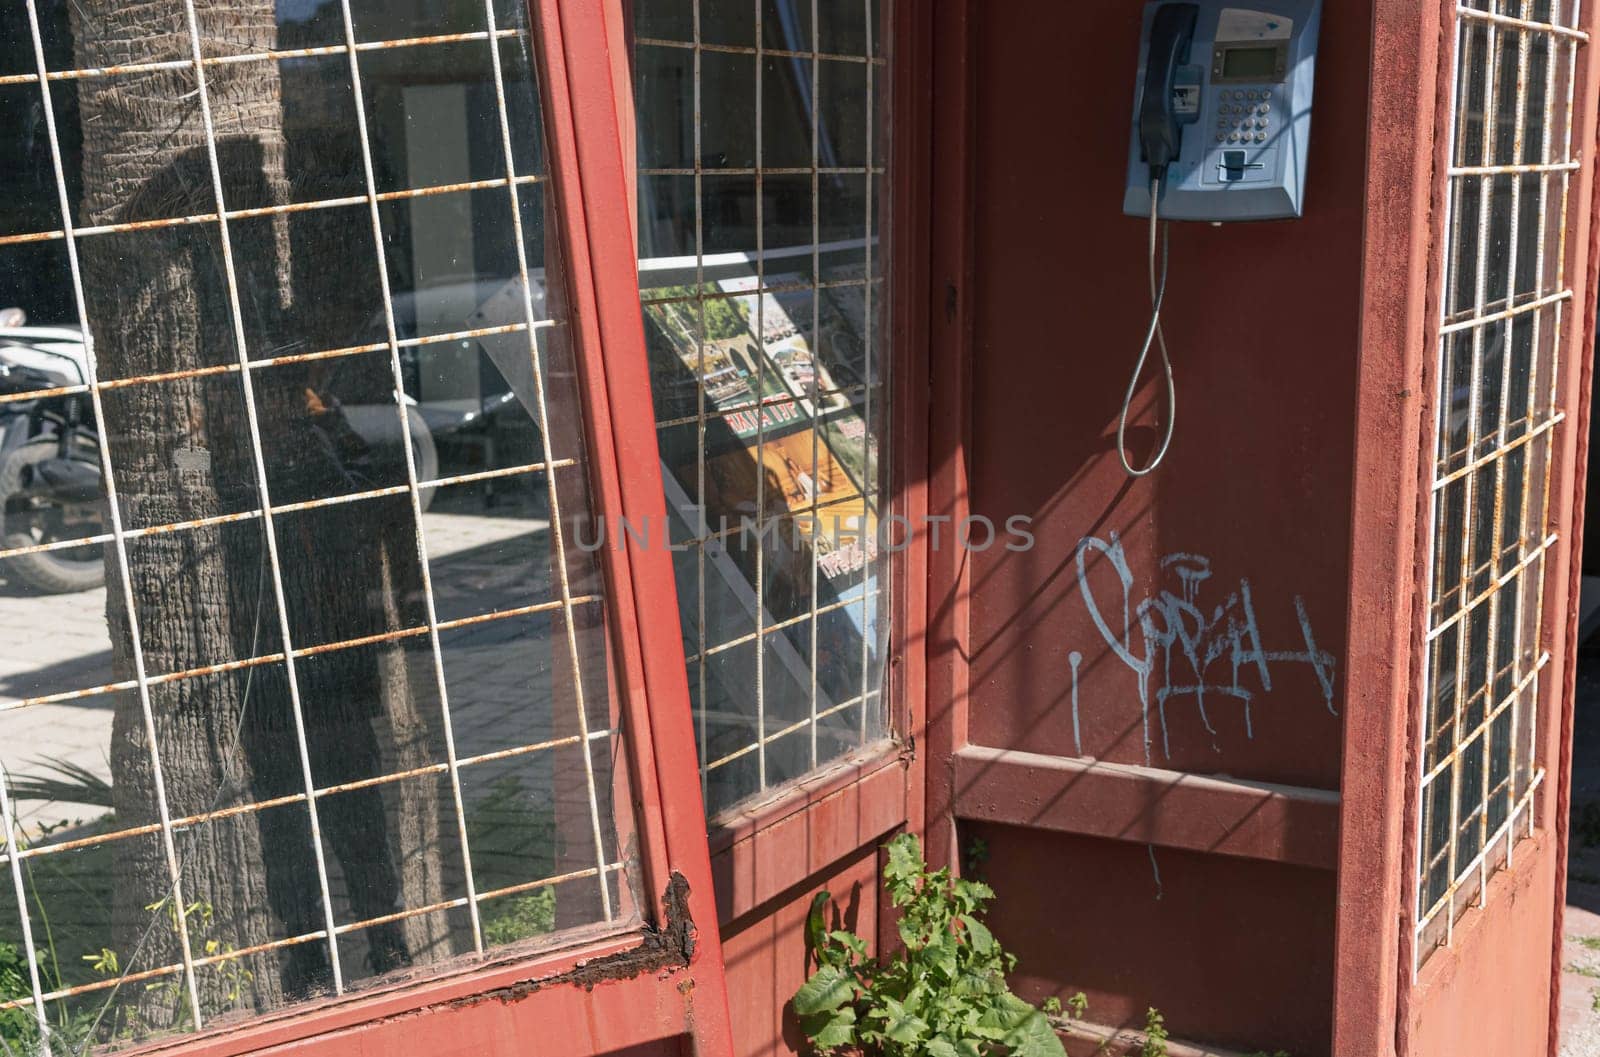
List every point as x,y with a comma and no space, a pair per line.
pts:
1182,651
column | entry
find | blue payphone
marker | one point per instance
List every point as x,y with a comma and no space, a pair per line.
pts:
1220,130
1222,116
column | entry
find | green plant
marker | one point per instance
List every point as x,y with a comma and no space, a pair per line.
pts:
943,995
1155,1034
518,917
17,1025
62,782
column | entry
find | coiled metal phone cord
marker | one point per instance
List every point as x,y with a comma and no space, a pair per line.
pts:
1154,335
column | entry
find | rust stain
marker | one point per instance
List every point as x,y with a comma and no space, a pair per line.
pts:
669,947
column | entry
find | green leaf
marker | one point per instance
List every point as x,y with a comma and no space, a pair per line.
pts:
971,895
941,955
830,1030
828,989
938,1047
1034,1037
905,859
901,1025
817,921
850,941
1008,1013
978,935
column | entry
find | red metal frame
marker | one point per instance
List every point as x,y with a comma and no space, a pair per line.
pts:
1376,1001
1386,528
950,371
603,991
763,849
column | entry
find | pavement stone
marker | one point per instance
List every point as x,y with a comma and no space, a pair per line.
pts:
480,561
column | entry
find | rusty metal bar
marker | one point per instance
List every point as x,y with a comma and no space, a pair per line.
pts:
1499,710
761,384
1525,439
552,494
8,819
816,333
302,651
700,408
270,361
811,614
282,508
795,287
869,351
109,480
275,55
306,937
254,807
737,49
1513,169
845,170
1474,14
162,223
773,401
1523,804
430,607
1495,317
859,699
269,530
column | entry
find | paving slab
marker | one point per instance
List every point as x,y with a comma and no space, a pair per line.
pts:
481,560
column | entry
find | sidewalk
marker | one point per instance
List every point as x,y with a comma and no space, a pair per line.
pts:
1580,956
51,644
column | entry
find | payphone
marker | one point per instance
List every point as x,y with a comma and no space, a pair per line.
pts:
1221,124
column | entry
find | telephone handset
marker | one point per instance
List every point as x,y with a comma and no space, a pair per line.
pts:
1249,96
1160,134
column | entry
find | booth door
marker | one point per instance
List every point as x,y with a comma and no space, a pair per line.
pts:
395,759
1509,332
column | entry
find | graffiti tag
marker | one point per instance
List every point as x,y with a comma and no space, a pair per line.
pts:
1178,648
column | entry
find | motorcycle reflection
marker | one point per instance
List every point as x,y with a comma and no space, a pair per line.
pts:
50,464
49,458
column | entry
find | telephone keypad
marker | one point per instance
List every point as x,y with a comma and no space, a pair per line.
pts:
1243,115
1245,130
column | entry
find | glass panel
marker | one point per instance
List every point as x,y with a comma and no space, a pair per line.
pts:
1496,393
328,700
764,329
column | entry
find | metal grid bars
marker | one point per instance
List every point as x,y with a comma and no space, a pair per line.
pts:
1504,300
760,168
360,717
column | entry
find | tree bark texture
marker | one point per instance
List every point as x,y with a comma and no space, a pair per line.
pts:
158,301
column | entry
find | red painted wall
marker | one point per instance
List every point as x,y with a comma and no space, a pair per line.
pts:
1263,325
1461,1002
1253,504
767,959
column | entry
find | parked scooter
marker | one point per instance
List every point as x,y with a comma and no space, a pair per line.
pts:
49,458
50,469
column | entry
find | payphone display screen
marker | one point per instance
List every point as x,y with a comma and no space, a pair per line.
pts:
1250,63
